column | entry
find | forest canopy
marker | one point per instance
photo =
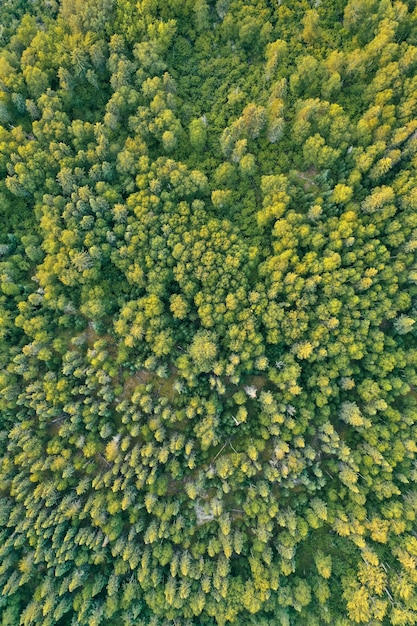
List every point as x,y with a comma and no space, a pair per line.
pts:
208,299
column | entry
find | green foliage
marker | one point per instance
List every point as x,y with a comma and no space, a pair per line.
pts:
208,296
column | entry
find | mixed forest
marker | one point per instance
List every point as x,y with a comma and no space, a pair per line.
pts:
208,306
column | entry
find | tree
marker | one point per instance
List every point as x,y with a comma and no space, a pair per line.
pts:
404,324
323,564
311,30
198,134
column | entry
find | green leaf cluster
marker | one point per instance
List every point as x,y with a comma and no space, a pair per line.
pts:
208,305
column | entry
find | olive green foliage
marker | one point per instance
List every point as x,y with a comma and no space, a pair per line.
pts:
208,305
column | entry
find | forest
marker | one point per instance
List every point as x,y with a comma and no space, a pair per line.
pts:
208,299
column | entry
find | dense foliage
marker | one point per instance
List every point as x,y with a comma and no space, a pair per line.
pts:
207,312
